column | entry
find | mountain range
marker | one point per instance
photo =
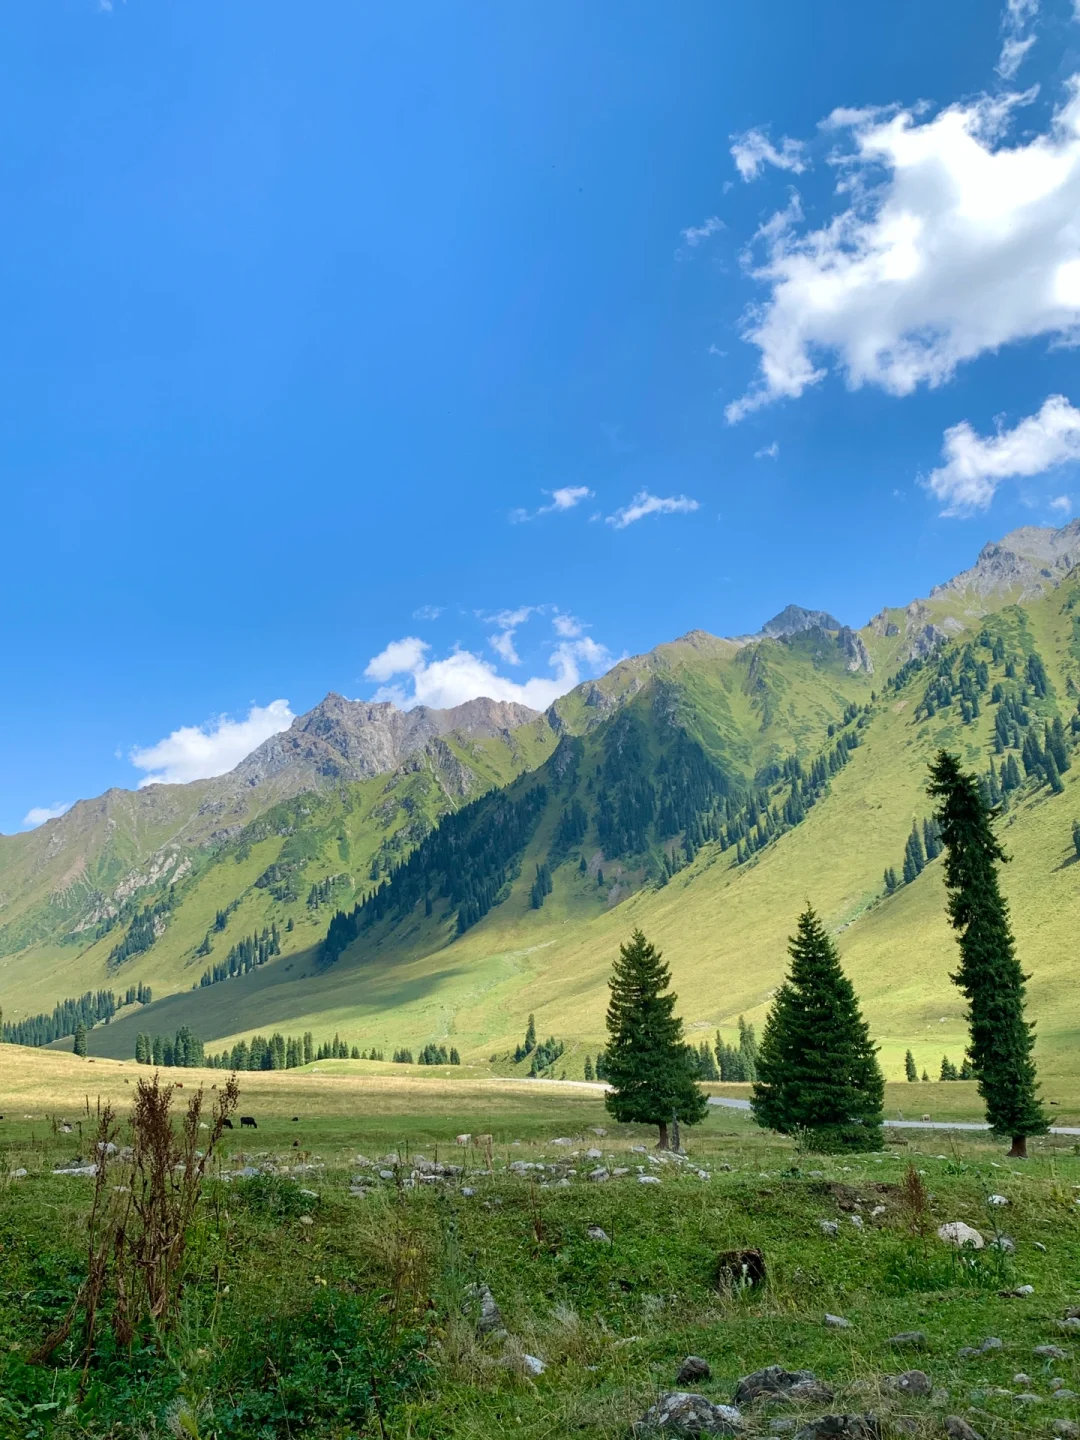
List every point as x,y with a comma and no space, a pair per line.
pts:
485,861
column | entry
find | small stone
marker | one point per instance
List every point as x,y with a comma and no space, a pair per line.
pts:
594,1154
856,1427
997,1200
386,1174
1017,1293
306,1220
837,1322
1067,1429
649,1180
620,1170
990,1343
1050,1352
908,1340
1057,1383
596,1232
693,1370
1039,1246
784,1425
682,1413
1004,1243
828,1227
957,1428
598,1175
532,1365
914,1382
467,1191
961,1235
1071,1323
18,1174
1065,1394
1022,1379
490,1321
775,1382
1028,1399
857,1221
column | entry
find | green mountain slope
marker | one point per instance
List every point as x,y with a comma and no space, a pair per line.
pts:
703,792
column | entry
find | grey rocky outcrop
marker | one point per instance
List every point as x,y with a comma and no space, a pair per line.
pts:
681,1412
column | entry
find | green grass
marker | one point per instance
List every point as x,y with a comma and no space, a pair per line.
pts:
274,1299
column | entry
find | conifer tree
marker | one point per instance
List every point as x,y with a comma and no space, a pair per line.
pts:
79,1046
925,1076
588,1068
817,1066
989,976
648,1063
909,1066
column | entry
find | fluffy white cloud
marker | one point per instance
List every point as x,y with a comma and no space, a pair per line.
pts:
195,752
1062,503
38,814
695,234
463,675
563,499
645,504
754,150
974,467
953,243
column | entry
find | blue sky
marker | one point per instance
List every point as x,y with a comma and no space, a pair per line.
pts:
426,350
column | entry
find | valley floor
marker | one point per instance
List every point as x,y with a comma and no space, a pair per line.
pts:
330,1296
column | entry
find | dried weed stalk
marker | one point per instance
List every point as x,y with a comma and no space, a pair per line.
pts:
145,1198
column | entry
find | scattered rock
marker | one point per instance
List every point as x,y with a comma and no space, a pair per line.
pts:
913,1382
908,1340
1039,1245
693,1370
1017,1293
961,1235
740,1269
837,1322
467,1191
1005,1243
957,1428
857,1427
1029,1399
18,1174
998,1200
1057,1383
490,1321
784,1425
1050,1352
598,1174
1067,1429
532,1365
857,1221
1071,1323
1022,1379
681,1413
828,1227
649,1180
596,1232
1065,1394
774,1381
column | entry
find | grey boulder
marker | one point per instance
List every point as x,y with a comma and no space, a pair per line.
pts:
693,1370
776,1382
682,1413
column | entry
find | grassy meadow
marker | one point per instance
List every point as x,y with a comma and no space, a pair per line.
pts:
329,1296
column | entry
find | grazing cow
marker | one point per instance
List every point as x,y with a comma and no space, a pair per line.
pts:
247,1122
295,1144
228,1123
295,1119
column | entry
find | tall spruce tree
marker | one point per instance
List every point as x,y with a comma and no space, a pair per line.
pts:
989,975
648,1063
818,1073
909,1066
79,1046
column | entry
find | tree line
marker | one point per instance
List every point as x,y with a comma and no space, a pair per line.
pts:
247,954
817,1070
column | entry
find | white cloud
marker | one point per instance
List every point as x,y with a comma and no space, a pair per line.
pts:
754,150
645,504
508,622
428,612
196,752
1018,15
695,234
563,499
953,244
768,452
38,814
974,467
462,675
568,626
1062,503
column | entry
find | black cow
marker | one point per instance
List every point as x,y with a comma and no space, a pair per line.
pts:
228,1123
247,1122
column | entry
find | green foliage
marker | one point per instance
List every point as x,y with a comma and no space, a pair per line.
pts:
247,954
989,975
182,1049
79,1045
148,924
65,1019
818,1074
646,1060
910,1072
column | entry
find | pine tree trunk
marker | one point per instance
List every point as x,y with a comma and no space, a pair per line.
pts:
663,1145
1019,1148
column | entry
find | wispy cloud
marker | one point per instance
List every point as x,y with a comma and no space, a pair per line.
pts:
1062,503
1018,15
753,150
767,452
644,504
975,467
695,234
195,752
428,612
563,499
38,814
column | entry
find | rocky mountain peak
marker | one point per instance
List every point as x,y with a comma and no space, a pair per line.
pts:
1029,559
793,620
